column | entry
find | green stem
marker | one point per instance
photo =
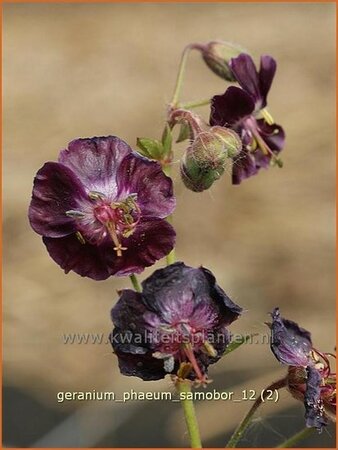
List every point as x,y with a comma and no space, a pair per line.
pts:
297,437
195,104
242,427
135,283
189,414
181,71
170,258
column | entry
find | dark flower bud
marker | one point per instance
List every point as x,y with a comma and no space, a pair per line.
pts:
217,56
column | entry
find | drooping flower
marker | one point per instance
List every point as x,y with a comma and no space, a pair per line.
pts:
217,55
309,379
244,110
180,319
101,209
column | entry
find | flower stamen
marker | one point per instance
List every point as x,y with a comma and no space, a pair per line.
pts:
267,116
209,348
95,195
80,237
75,214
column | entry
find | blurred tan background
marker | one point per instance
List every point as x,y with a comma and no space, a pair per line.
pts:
82,70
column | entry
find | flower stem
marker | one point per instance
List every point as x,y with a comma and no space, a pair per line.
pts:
295,438
181,71
184,387
135,283
195,104
242,427
170,258
180,75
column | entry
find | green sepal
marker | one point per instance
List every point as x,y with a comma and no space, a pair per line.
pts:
151,148
185,133
234,345
167,139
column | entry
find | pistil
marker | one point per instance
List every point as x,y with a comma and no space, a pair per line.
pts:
191,357
110,225
261,144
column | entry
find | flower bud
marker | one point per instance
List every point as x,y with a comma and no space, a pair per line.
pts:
230,138
203,162
217,55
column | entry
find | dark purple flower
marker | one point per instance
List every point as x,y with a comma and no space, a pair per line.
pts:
180,317
309,376
244,110
289,343
100,209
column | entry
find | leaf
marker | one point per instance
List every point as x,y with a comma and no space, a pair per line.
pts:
185,133
167,139
151,148
238,342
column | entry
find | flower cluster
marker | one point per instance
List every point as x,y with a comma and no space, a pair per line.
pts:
243,109
256,140
178,324
309,374
101,209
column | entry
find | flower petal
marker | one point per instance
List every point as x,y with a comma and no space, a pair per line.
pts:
131,341
172,290
243,166
137,361
152,240
85,259
266,75
273,135
179,291
245,72
290,344
56,190
95,161
231,107
127,312
314,410
219,339
261,159
144,177
229,310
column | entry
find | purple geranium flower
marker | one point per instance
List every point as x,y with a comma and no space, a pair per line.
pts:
180,318
244,110
100,209
309,376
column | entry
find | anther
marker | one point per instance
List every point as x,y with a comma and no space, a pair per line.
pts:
95,195
75,214
80,237
210,349
267,116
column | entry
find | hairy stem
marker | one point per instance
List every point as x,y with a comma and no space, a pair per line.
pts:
184,387
135,283
181,71
170,258
195,104
242,427
296,438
